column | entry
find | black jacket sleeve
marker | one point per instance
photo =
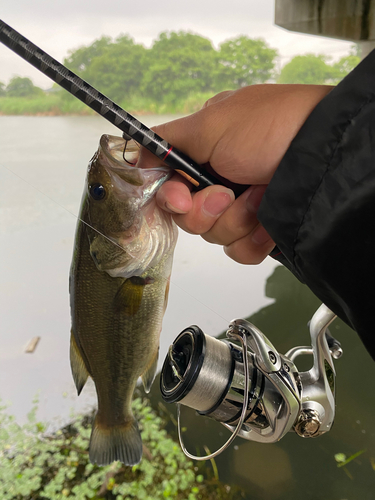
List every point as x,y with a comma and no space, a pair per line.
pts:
320,205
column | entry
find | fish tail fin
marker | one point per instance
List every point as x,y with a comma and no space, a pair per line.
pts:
79,370
119,442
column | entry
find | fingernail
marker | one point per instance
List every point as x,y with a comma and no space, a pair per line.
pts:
216,203
260,236
254,198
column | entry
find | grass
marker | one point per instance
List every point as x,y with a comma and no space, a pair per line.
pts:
48,105
35,464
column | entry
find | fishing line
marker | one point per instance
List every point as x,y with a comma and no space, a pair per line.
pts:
61,206
108,239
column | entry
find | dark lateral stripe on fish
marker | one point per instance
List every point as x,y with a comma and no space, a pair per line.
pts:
138,280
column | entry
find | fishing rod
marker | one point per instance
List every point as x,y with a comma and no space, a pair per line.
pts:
130,126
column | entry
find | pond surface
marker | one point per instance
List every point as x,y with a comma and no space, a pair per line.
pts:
43,164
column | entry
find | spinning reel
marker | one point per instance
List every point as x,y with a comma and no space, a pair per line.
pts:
253,390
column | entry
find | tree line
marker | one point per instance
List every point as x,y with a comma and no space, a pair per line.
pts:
20,87
181,64
177,65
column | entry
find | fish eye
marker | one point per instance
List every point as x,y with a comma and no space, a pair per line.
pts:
97,192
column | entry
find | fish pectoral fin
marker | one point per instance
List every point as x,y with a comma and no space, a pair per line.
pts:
128,299
118,442
148,375
79,370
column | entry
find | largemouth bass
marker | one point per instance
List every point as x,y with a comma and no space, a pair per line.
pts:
119,282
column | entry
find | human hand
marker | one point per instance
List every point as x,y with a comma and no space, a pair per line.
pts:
243,134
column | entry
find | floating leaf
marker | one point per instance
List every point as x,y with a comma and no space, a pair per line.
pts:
345,460
340,457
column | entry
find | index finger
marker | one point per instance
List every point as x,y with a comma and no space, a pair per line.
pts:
190,134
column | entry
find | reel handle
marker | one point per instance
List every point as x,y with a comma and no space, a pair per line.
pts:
318,384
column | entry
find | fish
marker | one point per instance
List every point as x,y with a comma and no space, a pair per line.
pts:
119,284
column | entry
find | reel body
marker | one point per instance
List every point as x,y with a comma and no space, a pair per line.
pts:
254,391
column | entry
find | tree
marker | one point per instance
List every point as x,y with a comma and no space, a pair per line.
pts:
309,69
118,71
245,61
2,89
346,64
179,64
22,87
113,67
80,59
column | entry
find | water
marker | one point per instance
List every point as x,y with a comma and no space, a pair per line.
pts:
43,163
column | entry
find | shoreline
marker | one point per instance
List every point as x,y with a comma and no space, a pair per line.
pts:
84,113
57,105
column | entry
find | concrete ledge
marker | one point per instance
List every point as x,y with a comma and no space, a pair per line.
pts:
344,19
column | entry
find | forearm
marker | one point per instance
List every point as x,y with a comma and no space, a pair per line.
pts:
319,206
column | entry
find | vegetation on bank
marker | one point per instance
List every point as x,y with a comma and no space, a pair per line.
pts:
54,104
36,465
177,74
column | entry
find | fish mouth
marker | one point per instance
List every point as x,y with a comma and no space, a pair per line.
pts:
115,149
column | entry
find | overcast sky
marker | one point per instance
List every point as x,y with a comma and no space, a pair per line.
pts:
60,25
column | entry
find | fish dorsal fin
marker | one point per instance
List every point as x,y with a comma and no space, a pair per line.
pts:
148,375
79,370
129,296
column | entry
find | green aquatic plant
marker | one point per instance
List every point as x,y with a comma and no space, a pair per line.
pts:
35,464
342,460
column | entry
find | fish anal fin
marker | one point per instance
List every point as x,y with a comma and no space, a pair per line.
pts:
148,375
128,298
118,442
79,370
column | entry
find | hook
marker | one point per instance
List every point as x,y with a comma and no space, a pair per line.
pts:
127,139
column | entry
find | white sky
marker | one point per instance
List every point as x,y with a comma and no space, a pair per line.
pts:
60,25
